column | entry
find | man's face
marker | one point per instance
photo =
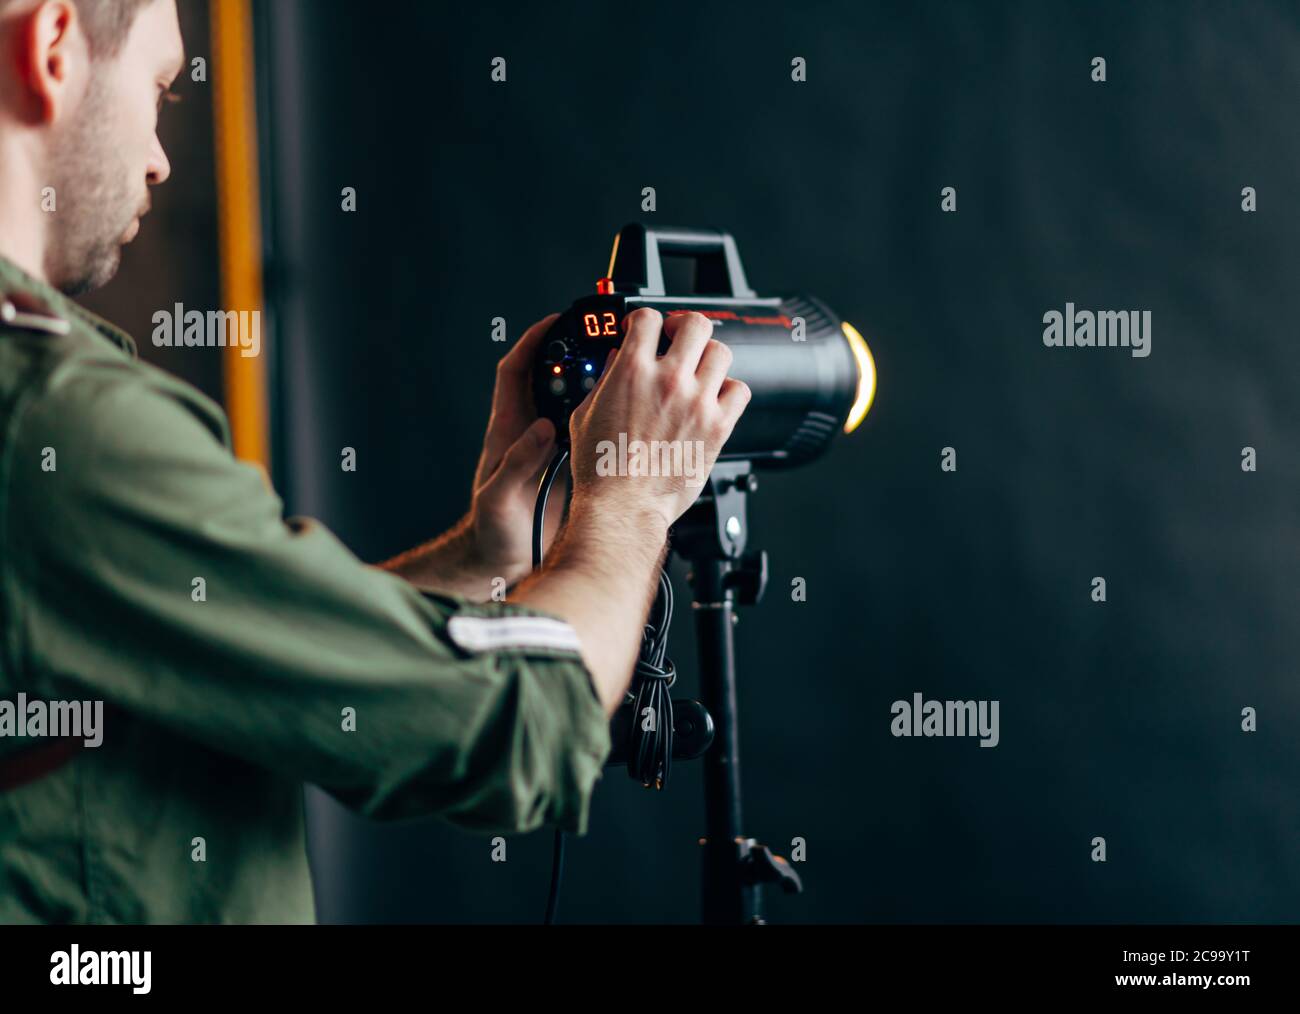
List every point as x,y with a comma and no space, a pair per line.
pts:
106,154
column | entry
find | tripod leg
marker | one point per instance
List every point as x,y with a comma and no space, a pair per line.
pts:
727,898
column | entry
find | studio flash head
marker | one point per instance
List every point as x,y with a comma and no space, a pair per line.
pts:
810,372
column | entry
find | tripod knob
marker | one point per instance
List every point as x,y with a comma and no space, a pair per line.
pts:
693,731
760,865
749,577
746,482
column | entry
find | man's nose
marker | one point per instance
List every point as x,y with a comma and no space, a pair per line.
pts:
159,167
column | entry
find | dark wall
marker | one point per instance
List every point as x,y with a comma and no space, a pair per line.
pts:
1119,719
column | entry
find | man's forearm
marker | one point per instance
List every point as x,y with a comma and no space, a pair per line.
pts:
600,578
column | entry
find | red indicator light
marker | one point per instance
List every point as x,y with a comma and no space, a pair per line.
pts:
557,370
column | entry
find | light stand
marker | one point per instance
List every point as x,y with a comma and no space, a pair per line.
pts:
711,537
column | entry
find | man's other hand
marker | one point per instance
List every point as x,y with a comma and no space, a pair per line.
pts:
516,450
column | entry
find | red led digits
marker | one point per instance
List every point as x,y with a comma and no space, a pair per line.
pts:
600,326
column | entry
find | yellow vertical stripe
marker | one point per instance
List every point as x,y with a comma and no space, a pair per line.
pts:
239,217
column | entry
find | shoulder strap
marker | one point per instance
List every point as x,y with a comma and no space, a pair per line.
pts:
31,765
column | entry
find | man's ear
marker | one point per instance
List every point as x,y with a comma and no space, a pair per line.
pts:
54,59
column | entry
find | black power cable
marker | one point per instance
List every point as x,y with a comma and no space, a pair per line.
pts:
650,747
539,529
543,495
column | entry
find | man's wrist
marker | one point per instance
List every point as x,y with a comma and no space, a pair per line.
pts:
452,562
620,525
460,549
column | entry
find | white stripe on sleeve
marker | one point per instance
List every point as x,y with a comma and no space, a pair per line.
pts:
493,633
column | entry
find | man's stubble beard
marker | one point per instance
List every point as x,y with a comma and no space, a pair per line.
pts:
94,199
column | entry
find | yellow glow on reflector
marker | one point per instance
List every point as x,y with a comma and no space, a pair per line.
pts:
866,377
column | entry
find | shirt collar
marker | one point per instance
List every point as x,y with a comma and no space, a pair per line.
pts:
12,277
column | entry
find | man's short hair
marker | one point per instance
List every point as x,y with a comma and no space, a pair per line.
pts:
106,23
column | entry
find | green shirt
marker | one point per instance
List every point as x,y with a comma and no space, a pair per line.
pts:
222,697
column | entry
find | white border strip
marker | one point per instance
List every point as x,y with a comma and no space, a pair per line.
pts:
494,633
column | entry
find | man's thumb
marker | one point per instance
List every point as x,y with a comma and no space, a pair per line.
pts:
529,454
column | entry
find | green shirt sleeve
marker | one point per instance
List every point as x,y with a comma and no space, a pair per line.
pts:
151,569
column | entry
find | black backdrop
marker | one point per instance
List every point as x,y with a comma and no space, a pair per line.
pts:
1121,719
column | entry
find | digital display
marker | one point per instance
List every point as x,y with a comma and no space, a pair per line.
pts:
600,325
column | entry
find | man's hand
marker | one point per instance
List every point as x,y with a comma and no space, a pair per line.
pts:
516,450
683,398
494,540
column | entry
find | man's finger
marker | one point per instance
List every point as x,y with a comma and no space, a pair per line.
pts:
714,364
733,399
512,400
690,334
519,360
643,328
528,455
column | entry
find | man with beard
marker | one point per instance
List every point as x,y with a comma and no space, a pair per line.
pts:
398,689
